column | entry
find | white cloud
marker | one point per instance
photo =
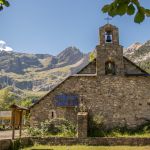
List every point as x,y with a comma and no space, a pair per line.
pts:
4,47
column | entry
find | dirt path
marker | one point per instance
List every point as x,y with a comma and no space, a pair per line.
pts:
8,134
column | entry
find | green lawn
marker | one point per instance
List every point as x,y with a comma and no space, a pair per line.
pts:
88,148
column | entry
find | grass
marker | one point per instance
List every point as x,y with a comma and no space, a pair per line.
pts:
119,134
39,147
141,135
140,131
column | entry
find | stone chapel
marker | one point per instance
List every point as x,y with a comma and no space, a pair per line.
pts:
110,86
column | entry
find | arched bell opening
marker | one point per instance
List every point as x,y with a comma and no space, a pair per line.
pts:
110,68
108,36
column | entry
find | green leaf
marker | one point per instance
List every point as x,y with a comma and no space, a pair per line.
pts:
1,2
1,7
141,9
147,12
139,17
106,8
136,2
6,3
112,12
121,9
130,9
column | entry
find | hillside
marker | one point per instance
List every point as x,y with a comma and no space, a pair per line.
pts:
140,54
39,72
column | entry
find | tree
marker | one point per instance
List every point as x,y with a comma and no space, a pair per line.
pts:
6,99
3,3
129,7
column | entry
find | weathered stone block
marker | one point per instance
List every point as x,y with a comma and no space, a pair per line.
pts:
82,124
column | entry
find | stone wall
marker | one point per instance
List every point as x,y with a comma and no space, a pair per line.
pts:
130,68
5,144
82,124
89,69
109,53
115,34
119,100
91,141
30,141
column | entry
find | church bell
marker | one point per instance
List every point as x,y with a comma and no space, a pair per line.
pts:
108,38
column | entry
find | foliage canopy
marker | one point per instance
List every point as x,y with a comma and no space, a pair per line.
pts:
3,3
129,7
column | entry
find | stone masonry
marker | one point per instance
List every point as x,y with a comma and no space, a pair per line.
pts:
82,118
121,99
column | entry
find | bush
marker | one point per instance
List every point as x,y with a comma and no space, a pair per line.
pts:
96,129
57,127
34,131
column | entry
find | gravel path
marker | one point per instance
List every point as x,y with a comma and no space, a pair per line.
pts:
8,134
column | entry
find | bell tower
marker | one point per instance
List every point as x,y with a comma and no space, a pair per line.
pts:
109,52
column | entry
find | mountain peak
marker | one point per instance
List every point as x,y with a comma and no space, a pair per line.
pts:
70,49
70,55
139,53
132,48
135,46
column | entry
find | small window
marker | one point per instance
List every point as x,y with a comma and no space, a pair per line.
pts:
52,115
110,68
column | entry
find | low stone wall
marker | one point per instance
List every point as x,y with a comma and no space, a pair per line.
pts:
5,144
92,141
8,144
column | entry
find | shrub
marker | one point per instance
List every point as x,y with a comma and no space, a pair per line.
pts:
34,131
96,129
57,127
95,126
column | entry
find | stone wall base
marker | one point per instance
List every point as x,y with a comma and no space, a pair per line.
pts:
5,144
97,141
28,141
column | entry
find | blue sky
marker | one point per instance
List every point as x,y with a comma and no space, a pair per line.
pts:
49,26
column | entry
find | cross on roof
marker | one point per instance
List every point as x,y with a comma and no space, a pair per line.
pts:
108,19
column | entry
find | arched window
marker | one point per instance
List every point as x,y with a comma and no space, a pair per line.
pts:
110,68
108,37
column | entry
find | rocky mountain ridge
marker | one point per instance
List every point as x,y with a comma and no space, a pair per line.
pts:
139,54
39,71
19,62
42,72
